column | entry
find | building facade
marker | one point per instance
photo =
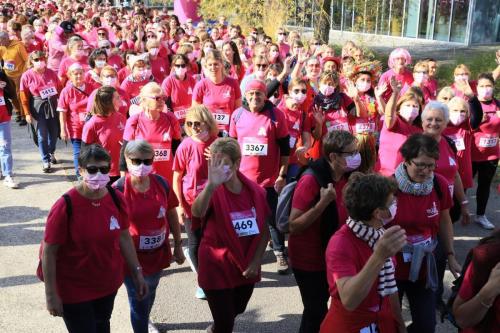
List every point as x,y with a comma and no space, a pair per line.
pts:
456,21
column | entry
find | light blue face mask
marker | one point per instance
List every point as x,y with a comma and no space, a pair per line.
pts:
353,162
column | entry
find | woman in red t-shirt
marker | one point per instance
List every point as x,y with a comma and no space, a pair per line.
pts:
477,306
86,239
218,92
485,146
235,234
152,216
191,174
359,261
419,186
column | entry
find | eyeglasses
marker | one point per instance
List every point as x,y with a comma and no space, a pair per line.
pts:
348,153
106,47
193,123
92,170
263,66
180,65
423,166
38,59
150,36
282,33
101,34
313,65
157,98
137,161
316,43
296,91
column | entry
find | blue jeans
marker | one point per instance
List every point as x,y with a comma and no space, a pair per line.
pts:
77,145
5,149
277,237
140,310
48,130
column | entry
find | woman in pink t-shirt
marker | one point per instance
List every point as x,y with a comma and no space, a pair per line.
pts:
402,119
485,146
398,60
141,75
160,67
219,93
97,61
462,83
76,53
191,174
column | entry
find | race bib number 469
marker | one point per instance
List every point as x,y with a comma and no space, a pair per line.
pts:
244,223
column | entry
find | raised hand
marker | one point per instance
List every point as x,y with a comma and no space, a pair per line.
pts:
391,242
217,173
380,89
351,90
395,84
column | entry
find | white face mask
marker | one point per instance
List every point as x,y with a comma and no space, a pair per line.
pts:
228,172
409,113
281,38
100,63
420,77
39,65
393,208
154,51
464,77
202,136
180,71
353,162
108,81
457,118
485,93
363,86
140,170
260,74
206,49
299,97
326,90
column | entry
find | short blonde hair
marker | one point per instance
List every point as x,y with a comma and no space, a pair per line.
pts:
228,146
445,92
202,114
421,64
462,67
460,102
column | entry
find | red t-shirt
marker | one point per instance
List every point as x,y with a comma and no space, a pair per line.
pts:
4,114
466,292
74,103
219,98
420,224
485,145
133,89
215,267
257,135
149,226
89,261
346,255
390,142
180,93
159,133
192,164
34,83
160,67
123,73
116,62
462,137
447,165
297,122
90,80
108,132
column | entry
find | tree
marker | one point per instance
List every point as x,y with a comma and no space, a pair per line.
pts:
322,28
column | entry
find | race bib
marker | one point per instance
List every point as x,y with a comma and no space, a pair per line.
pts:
180,113
136,100
372,328
10,66
81,116
293,141
221,118
459,143
47,92
408,255
151,242
487,142
162,154
254,146
365,128
336,126
2,101
244,223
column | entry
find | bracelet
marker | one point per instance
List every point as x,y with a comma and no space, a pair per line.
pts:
465,202
483,304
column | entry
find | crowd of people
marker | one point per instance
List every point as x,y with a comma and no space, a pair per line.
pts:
198,127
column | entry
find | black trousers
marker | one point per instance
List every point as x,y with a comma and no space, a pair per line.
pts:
313,287
485,171
422,305
89,317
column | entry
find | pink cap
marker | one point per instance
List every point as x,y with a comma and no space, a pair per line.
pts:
256,85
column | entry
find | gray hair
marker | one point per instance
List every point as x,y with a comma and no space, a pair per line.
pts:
73,41
139,147
435,105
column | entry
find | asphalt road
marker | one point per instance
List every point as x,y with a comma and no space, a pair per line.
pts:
275,305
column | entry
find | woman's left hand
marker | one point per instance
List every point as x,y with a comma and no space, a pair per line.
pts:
252,271
279,184
179,255
465,215
454,266
141,287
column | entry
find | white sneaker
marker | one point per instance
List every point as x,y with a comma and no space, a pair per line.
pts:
9,182
483,221
152,328
188,258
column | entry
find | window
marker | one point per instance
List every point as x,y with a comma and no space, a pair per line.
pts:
486,22
396,18
442,19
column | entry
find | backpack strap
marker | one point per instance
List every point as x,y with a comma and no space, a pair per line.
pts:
120,184
69,206
451,143
238,115
114,196
437,188
163,183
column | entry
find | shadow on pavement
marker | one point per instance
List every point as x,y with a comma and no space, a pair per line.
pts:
201,326
16,235
249,321
13,214
21,280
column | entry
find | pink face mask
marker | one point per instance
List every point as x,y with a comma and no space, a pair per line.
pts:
96,181
140,170
484,93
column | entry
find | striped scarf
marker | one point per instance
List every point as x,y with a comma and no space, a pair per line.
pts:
386,280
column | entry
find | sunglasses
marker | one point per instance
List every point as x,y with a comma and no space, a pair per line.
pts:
150,36
101,34
296,91
137,161
157,98
180,65
193,123
38,59
317,44
106,47
263,66
282,33
92,170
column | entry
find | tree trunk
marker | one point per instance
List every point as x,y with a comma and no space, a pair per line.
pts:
322,28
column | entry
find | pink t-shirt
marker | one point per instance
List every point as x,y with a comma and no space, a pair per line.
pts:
180,93
159,133
284,50
462,137
67,62
116,62
108,132
485,145
133,89
123,73
406,79
160,68
390,142
34,82
219,98
74,103
257,135
432,86
123,96
191,163
297,122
